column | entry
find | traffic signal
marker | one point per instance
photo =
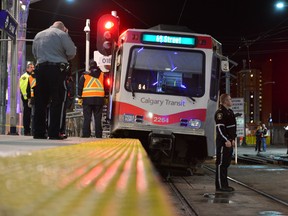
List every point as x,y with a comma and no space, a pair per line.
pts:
107,33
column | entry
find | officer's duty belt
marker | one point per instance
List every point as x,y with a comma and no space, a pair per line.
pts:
51,63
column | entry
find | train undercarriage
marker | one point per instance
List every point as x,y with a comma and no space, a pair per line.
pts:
170,150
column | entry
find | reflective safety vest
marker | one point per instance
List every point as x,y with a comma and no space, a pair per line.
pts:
32,83
23,83
93,87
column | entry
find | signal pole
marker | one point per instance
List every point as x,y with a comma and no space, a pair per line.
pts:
87,31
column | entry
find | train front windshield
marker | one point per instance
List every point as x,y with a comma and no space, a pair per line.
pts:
166,71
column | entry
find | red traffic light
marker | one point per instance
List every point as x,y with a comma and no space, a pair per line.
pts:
109,25
108,82
107,33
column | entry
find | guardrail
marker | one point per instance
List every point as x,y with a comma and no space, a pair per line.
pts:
74,123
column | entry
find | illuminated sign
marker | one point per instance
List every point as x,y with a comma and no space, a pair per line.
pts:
8,23
169,39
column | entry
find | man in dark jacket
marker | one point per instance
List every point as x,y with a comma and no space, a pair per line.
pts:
91,91
52,48
225,140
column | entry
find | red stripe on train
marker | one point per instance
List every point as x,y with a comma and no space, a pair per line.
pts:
122,108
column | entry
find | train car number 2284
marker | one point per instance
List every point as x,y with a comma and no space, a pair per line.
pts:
160,119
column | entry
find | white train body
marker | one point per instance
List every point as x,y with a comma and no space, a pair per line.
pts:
165,91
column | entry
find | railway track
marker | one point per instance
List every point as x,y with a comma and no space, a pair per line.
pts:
260,192
185,208
195,195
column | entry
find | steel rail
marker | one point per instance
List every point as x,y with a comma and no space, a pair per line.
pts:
185,203
251,188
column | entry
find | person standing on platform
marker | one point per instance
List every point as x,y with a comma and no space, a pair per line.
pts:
23,84
259,135
263,138
225,141
31,91
52,48
91,91
286,137
68,103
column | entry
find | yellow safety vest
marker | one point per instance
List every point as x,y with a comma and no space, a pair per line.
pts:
93,87
23,83
32,83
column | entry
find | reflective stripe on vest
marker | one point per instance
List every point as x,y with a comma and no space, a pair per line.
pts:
93,87
32,82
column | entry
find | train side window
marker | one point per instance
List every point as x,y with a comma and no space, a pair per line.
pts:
118,70
215,78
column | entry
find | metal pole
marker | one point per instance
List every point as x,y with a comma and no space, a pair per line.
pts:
227,77
245,108
87,31
3,84
3,77
13,77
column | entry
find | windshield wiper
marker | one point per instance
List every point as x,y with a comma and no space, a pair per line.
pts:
172,89
132,91
191,98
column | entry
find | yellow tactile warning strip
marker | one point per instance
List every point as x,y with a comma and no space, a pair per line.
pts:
106,177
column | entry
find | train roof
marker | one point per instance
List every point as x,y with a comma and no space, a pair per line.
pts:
168,29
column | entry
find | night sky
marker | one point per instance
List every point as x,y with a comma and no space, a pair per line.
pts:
245,28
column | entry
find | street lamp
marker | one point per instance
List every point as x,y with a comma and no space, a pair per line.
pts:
280,5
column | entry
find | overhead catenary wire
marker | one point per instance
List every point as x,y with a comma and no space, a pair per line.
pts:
262,36
180,16
132,14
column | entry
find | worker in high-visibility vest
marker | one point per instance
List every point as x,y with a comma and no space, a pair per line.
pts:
91,91
23,84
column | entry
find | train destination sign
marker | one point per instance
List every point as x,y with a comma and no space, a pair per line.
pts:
168,39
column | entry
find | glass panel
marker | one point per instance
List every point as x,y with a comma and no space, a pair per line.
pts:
215,76
166,71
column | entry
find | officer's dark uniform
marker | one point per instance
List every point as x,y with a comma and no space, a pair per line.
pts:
31,88
226,130
52,48
91,90
286,139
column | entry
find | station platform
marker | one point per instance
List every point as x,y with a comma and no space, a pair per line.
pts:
79,176
276,150
85,176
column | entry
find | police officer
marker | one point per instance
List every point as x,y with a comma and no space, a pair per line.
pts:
52,48
225,140
31,88
91,90
23,84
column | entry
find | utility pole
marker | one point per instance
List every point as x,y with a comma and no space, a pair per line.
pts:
227,82
226,68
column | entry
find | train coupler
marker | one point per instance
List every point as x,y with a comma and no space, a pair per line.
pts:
161,140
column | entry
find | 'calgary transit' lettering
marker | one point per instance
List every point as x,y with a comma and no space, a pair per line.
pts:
166,102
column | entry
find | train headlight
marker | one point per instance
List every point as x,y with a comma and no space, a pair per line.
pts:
195,123
128,118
